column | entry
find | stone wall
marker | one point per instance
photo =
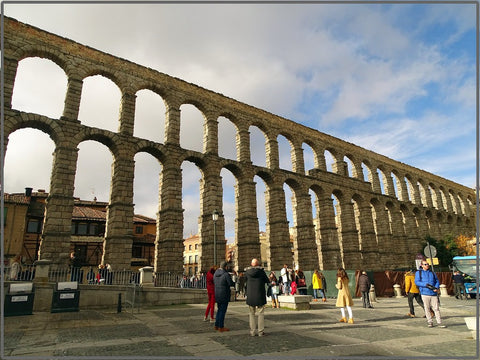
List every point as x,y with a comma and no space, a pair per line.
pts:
368,229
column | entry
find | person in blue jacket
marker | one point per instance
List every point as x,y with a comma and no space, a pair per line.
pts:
428,284
223,282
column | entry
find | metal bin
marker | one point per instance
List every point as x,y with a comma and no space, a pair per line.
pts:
66,297
19,299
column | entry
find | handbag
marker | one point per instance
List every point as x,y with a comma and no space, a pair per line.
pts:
301,282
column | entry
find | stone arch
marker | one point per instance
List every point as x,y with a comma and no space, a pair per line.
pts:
26,51
350,166
285,149
309,156
258,150
227,135
422,191
329,155
146,126
93,102
191,126
39,89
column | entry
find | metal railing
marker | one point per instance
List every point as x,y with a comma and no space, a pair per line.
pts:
93,276
172,279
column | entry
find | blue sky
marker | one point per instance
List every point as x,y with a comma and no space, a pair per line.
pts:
397,79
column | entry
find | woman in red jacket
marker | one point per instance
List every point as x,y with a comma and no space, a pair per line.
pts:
211,295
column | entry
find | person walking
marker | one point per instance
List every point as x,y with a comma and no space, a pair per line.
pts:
211,295
256,297
459,285
412,292
222,282
316,285
344,298
16,268
428,285
285,273
301,282
323,287
274,288
364,287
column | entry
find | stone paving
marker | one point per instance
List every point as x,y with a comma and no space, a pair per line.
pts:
179,332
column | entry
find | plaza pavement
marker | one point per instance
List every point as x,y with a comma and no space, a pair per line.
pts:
179,332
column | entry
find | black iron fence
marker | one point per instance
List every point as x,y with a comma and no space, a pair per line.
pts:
93,276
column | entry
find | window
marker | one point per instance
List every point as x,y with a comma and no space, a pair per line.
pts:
34,226
136,251
82,228
189,247
190,259
139,230
196,259
93,229
196,246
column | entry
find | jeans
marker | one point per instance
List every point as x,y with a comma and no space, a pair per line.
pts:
253,320
366,299
418,298
317,293
221,311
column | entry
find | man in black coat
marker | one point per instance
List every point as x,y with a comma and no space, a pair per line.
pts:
256,297
223,282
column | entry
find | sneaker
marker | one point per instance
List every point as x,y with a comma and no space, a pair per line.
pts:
216,328
223,329
262,334
442,326
411,315
205,319
212,320
350,321
343,320
430,325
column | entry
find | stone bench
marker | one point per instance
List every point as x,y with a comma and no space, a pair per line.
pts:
296,302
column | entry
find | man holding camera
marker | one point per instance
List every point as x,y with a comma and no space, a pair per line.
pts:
428,284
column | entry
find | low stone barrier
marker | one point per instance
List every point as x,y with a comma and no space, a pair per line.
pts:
296,302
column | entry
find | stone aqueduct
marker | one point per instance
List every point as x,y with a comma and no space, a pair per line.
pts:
368,229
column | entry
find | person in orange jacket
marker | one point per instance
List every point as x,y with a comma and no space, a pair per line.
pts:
412,292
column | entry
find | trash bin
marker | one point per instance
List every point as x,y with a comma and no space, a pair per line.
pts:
66,297
19,299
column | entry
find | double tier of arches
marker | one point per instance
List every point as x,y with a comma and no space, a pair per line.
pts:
360,208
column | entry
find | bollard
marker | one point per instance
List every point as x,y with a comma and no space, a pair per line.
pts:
119,305
372,295
397,290
443,290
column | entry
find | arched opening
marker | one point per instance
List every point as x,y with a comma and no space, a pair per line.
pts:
308,157
229,183
329,160
149,116
100,103
34,155
145,200
284,153
191,176
93,158
40,87
227,133
191,128
257,146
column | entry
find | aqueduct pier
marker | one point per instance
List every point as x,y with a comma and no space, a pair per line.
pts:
375,223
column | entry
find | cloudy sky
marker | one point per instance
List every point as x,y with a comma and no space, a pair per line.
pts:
397,79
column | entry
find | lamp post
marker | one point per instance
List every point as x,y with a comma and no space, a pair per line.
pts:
215,218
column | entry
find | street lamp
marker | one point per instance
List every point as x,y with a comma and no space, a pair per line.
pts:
215,218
